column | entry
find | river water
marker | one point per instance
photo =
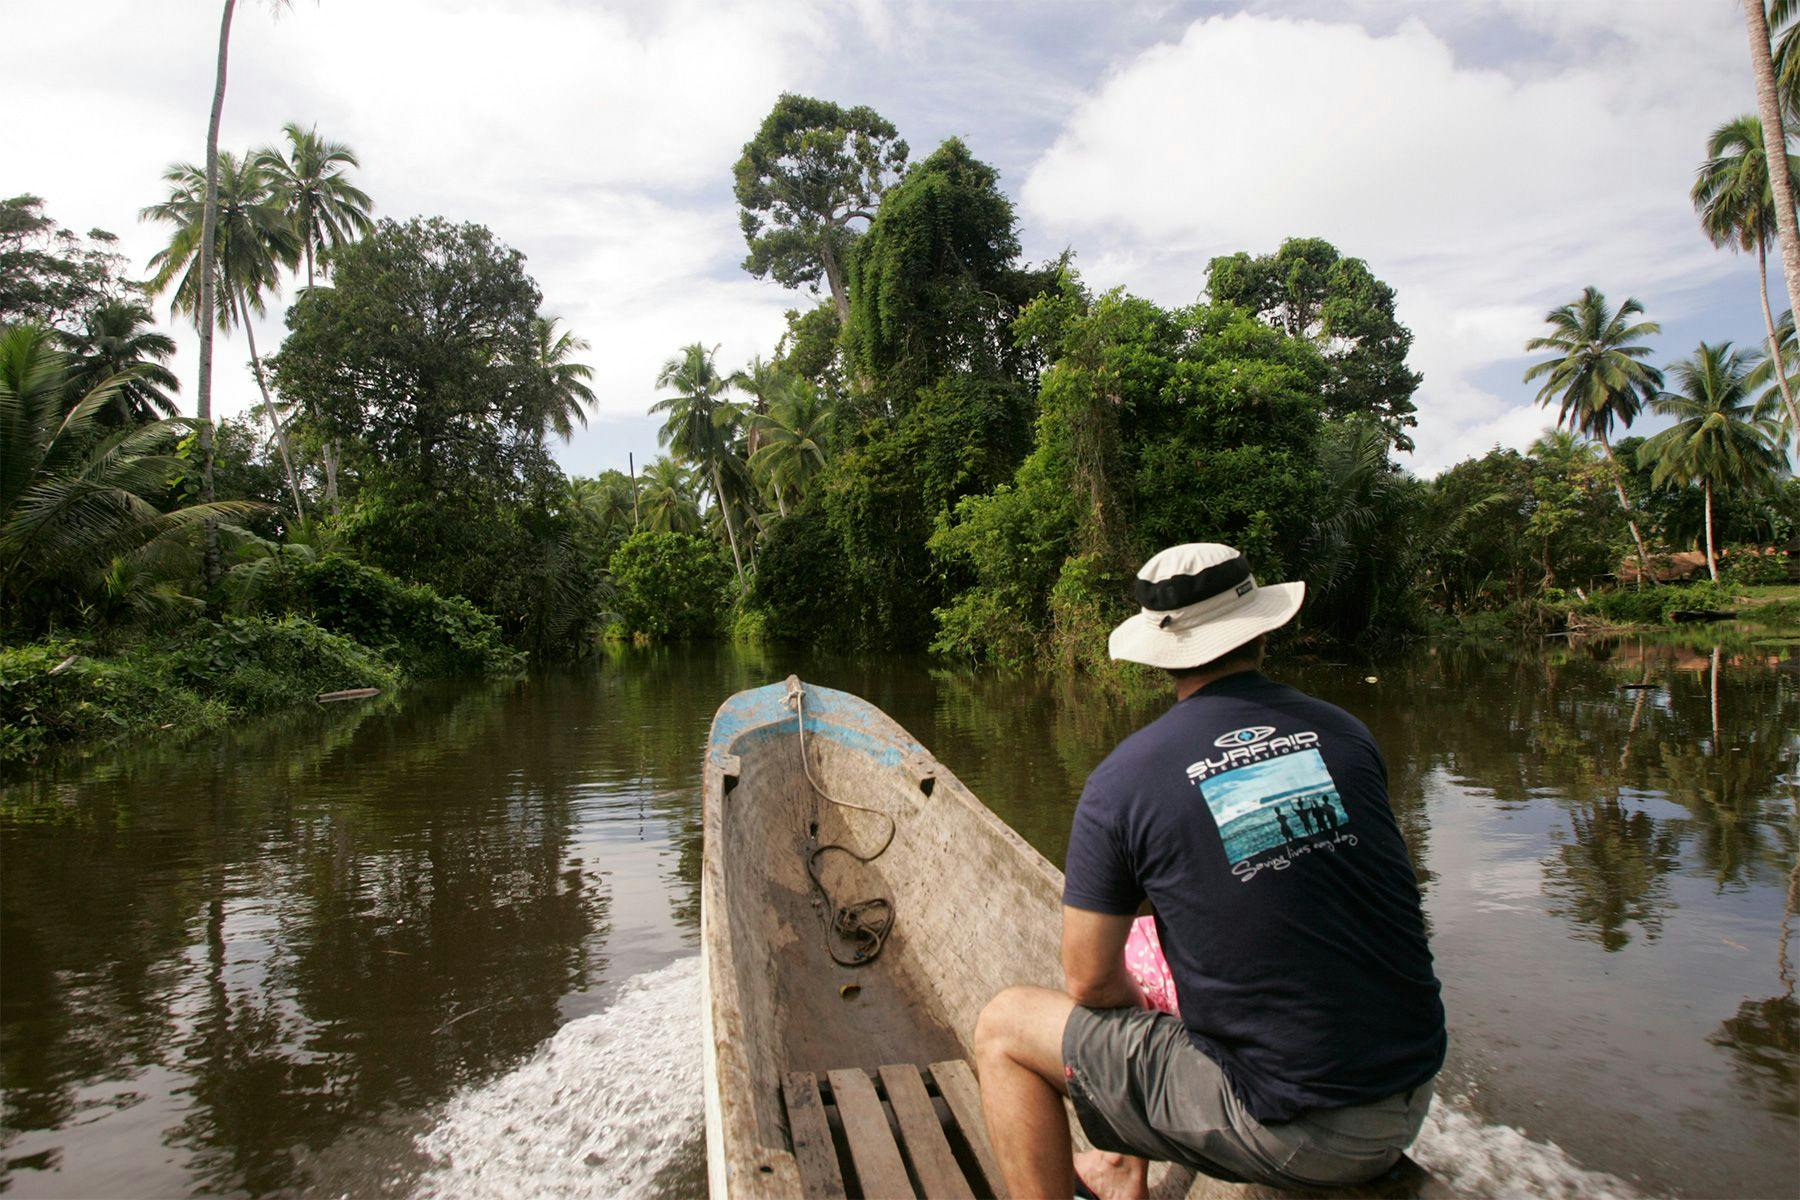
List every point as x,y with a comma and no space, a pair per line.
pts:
443,945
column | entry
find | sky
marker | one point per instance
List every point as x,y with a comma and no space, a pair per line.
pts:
1488,158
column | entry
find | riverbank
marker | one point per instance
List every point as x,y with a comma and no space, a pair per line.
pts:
321,625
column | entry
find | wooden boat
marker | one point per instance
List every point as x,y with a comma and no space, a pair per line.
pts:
826,1079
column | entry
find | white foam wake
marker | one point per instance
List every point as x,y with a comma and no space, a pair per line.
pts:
1478,1159
599,1110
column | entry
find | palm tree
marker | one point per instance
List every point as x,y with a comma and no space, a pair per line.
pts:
602,508
117,339
1599,376
254,241
1721,439
762,382
309,181
204,317
702,428
1736,208
74,498
795,432
1768,107
1784,365
568,379
667,497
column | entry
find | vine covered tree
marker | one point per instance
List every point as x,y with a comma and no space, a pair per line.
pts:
812,169
1721,439
1598,376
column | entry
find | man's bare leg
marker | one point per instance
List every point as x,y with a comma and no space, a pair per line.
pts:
1114,1176
1018,1054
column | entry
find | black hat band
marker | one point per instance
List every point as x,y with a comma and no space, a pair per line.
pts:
1179,591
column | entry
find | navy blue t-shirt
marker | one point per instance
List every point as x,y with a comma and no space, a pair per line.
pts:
1255,818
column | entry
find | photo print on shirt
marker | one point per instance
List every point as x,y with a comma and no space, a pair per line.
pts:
1271,804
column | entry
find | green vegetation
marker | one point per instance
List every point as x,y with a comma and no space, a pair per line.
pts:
57,691
669,586
948,449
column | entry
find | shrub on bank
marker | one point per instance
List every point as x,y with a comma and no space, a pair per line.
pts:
668,586
47,700
253,664
426,633
56,692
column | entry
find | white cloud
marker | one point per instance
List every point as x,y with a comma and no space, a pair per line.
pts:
1484,195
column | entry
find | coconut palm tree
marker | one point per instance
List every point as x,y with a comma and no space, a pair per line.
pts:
702,428
1768,108
1597,373
667,498
1737,209
761,381
568,379
205,301
117,339
795,432
1721,438
309,180
1787,378
74,497
254,241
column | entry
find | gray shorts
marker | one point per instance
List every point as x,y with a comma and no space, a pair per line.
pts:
1140,1086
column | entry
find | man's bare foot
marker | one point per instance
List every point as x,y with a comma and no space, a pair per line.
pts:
1113,1176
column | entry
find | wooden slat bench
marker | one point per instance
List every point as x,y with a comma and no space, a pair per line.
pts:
898,1133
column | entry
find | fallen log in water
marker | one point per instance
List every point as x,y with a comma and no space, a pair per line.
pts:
362,693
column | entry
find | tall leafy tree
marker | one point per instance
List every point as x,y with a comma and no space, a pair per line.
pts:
1737,209
1596,373
569,390
311,182
117,339
1721,439
812,169
49,274
1308,290
73,496
253,242
701,427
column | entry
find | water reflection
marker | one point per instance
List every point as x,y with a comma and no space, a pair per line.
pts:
222,960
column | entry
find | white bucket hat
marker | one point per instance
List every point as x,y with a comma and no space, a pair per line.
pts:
1199,601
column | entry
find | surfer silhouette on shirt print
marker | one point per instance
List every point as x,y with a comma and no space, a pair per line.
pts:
1273,803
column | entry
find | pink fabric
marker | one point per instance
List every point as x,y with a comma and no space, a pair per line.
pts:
1145,963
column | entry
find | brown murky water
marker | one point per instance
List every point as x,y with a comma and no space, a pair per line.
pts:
442,944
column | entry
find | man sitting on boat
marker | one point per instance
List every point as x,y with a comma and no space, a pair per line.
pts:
1254,820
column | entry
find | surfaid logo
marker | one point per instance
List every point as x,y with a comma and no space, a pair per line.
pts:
1248,736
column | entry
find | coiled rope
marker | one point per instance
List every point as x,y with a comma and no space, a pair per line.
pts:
865,923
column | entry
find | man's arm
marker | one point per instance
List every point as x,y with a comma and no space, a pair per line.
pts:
1093,953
